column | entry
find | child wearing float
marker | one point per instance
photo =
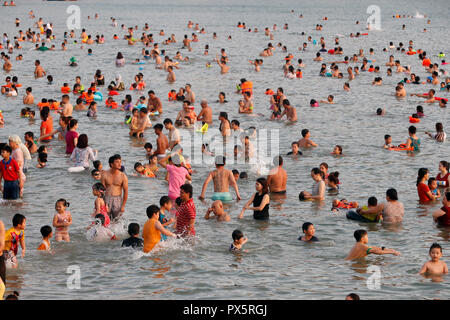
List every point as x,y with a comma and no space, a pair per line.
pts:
14,237
47,233
434,267
388,142
361,249
143,171
369,213
343,204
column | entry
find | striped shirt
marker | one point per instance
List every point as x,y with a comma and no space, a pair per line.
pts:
185,213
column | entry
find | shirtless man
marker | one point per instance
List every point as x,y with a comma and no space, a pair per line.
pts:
205,115
39,72
28,98
154,103
143,122
162,142
7,66
223,65
278,98
189,94
185,112
171,75
217,209
277,178
174,134
115,182
222,178
67,107
289,111
306,142
361,249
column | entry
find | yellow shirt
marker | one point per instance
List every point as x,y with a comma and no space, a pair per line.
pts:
12,239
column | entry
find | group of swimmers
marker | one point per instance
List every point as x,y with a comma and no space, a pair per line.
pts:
111,191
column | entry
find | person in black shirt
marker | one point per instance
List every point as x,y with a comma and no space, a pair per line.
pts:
295,150
308,230
133,241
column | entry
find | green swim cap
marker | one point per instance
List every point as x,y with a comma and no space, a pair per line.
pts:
73,59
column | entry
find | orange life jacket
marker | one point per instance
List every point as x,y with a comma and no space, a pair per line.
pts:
43,104
172,96
413,120
54,106
247,86
65,89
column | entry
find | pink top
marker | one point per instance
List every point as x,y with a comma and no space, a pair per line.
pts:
177,177
17,154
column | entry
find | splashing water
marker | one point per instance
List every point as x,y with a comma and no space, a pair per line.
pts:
418,15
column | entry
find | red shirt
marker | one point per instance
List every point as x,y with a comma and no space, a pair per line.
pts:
445,219
422,190
439,177
10,170
185,213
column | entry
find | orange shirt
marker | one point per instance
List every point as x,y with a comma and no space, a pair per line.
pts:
48,128
151,235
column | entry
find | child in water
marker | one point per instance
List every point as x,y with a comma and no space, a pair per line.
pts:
165,206
133,241
388,142
47,233
143,171
100,207
238,241
62,220
434,266
99,232
432,184
308,230
361,249
14,237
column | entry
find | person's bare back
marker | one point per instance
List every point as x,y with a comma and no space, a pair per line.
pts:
162,144
277,180
221,179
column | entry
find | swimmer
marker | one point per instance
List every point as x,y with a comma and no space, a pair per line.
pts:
434,267
306,142
330,100
217,209
238,241
308,230
361,249
47,234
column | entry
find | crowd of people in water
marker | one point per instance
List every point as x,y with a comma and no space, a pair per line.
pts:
174,216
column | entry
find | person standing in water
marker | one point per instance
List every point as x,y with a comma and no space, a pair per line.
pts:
115,182
222,178
277,178
260,200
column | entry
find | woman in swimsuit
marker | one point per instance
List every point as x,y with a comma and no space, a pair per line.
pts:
260,200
